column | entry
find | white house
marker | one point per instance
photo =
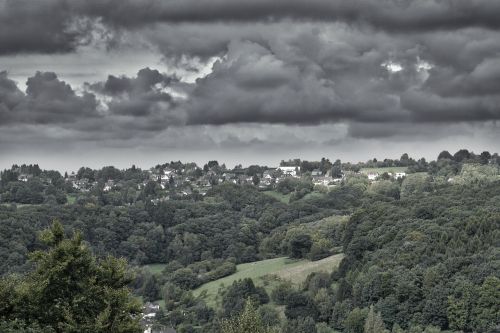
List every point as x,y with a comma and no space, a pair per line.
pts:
108,186
400,175
316,173
168,172
289,170
372,175
323,181
268,174
23,178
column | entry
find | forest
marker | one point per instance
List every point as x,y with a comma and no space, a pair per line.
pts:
421,253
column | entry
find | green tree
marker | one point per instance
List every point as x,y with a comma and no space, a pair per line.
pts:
300,244
150,290
281,292
248,321
487,311
324,328
236,296
255,180
461,305
337,169
300,305
374,322
269,315
17,326
354,323
71,291
445,155
300,325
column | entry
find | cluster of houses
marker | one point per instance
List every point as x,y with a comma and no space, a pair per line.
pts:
149,312
24,177
376,175
184,180
82,185
204,180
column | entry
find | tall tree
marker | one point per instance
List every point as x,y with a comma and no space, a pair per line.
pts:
445,155
374,322
337,169
248,321
71,291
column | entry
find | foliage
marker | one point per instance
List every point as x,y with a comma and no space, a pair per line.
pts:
374,322
70,291
248,321
420,254
300,325
235,296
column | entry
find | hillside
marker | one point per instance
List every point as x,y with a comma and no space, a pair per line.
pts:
266,272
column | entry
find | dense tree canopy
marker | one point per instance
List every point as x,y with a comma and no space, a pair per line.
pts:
70,291
421,251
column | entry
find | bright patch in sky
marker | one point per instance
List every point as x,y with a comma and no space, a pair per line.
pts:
423,65
392,67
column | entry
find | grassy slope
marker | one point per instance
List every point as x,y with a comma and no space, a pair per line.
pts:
264,274
156,268
71,199
299,273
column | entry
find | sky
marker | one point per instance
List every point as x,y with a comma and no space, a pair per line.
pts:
122,82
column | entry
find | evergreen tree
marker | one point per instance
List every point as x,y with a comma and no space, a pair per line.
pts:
69,291
248,321
374,322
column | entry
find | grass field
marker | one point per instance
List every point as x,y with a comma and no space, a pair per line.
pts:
382,170
299,273
156,268
285,198
327,221
267,272
71,199
313,195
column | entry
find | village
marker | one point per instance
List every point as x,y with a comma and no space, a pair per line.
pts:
191,179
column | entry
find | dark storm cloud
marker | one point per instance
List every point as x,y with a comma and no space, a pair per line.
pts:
122,106
45,26
482,80
10,95
389,14
47,100
51,26
365,63
328,73
145,81
301,80
428,107
141,96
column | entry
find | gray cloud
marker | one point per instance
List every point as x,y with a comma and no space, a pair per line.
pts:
47,100
10,95
141,96
322,72
234,144
376,67
120,107
145,81
51,26
45,26
392,15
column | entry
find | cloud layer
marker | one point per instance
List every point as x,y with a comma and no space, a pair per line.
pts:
376,69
